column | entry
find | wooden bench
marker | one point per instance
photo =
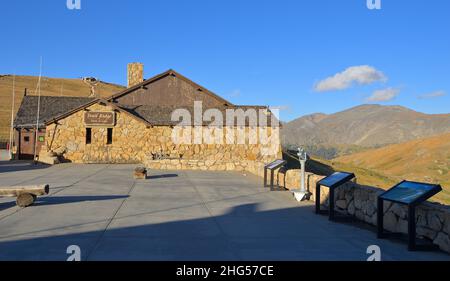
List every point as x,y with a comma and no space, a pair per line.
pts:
26,195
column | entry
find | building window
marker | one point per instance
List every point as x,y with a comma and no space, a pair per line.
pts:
110,136
88,135
26,139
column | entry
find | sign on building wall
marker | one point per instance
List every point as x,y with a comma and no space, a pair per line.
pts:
92,118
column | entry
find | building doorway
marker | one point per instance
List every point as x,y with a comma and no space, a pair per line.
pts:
26,143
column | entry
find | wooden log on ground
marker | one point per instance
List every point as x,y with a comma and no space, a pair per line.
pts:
16,191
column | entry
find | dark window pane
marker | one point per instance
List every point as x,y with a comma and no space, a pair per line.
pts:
110,136
88,135
26,139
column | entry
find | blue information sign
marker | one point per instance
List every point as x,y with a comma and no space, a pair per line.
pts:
336,178
408,192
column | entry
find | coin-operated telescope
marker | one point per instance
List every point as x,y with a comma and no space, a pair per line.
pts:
302,194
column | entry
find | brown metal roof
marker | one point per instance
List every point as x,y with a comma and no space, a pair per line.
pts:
50,107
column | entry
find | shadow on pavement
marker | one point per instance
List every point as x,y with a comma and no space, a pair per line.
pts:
16,166
58,200
154,177
243,233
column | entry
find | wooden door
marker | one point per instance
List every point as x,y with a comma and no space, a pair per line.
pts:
27,143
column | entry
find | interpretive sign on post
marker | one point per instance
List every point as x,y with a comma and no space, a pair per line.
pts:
272,167
410,194
332,182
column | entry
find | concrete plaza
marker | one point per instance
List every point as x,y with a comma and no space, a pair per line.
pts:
173,215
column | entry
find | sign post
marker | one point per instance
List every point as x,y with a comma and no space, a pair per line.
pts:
332,182
272,167
410,194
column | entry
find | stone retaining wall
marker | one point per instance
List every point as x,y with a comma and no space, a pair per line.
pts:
359,201
254,167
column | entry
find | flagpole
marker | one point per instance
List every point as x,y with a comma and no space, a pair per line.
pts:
11,132
38,112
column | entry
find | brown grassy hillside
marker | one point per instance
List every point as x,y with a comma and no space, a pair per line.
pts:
49,87
425,160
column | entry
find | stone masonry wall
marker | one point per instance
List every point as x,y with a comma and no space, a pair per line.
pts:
207,165
359,201
135,142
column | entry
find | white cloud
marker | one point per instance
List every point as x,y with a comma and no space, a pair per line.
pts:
363,75
431,95
383,95
235,93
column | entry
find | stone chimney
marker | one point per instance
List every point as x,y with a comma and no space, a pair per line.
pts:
135,74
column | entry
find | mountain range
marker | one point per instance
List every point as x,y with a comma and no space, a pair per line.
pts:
361,128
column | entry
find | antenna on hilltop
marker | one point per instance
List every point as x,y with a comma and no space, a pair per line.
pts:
38,89
11,132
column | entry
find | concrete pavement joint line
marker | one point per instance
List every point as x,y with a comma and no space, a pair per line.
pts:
97,243
52,194
212,217
80,180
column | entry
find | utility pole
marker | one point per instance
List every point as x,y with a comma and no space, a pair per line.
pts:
38,112
11,133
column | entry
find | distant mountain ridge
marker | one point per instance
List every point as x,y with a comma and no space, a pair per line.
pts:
364,126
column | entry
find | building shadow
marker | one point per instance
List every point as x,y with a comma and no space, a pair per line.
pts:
17,166
245,232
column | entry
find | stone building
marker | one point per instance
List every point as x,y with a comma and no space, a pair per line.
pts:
26,120
161,122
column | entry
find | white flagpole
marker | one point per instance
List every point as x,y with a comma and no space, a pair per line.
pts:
11,133
38,112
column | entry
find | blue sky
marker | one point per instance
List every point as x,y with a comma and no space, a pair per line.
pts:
249,51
